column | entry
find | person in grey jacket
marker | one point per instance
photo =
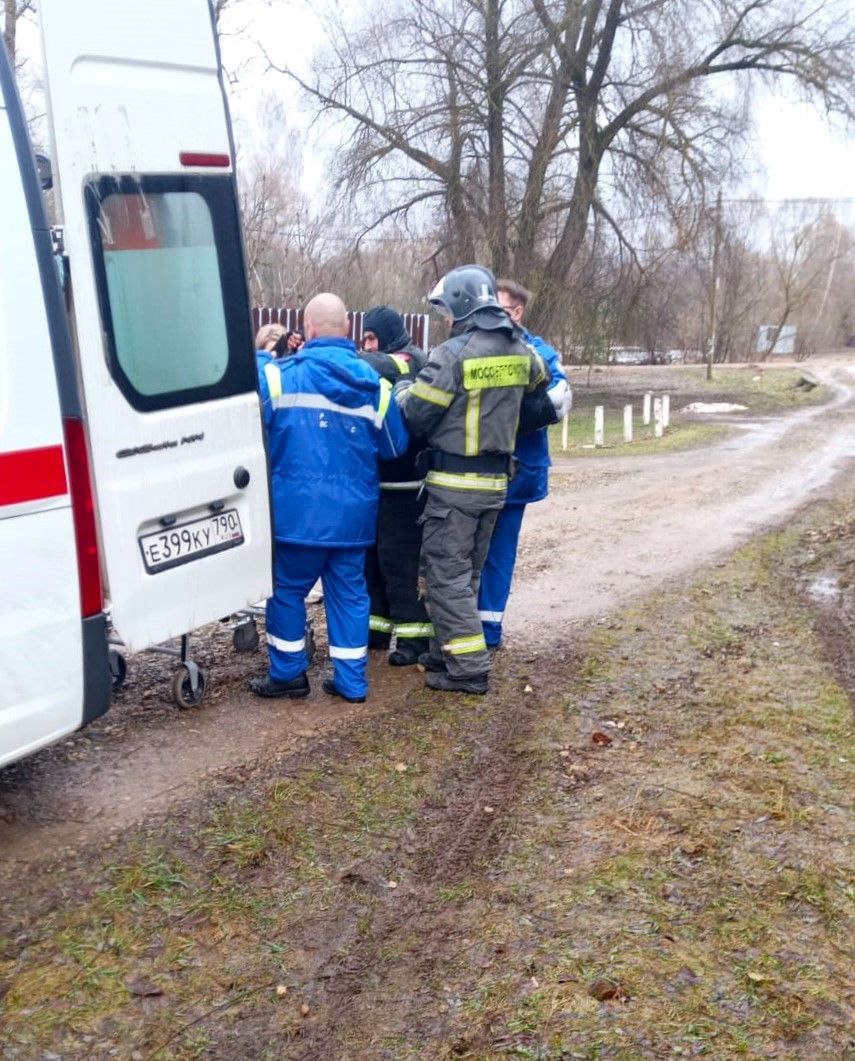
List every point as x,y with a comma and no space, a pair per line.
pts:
466,403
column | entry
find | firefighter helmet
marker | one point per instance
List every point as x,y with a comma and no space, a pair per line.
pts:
464,290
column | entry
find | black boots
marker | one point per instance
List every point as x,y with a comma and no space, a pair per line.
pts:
408,651
330,688
442,680
430,663
296,689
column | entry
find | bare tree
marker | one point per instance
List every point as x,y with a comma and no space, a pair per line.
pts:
801,256
219,8
14,10
281,234
509,123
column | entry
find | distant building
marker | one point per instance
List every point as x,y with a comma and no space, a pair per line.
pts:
786,344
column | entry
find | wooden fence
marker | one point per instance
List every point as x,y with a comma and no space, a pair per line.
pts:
417,324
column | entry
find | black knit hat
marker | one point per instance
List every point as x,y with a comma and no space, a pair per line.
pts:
388,325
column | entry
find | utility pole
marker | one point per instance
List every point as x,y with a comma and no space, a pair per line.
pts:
714,286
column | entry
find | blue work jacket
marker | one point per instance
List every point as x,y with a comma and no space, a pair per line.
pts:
329,418
531,482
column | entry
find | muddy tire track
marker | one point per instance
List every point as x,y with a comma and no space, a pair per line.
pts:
825,580
419,926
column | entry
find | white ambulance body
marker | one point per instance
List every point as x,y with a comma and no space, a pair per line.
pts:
143,159
53,652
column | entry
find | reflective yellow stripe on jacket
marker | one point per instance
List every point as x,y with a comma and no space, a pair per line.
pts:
434,395
403,364
274,380
473,424
385,398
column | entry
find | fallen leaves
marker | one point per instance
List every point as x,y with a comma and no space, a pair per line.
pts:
602,740
603,989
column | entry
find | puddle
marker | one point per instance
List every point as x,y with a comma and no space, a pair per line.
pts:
825,588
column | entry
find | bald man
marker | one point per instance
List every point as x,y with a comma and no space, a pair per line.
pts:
329,420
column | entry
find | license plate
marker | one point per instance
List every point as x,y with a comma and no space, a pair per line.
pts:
190,541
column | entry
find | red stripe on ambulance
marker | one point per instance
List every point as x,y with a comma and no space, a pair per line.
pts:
32,475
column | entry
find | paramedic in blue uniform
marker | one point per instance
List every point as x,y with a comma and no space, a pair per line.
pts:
329,419
531,481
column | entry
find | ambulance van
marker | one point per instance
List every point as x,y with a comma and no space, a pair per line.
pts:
133,470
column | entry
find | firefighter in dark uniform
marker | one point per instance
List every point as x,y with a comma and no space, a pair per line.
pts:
392,565
466,403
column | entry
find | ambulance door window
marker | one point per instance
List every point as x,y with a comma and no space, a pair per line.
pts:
173,300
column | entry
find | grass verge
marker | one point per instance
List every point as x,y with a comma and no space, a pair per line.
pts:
661,867
773,393
580,437
683,860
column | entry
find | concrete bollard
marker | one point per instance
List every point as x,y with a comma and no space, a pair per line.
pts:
599,425
627,423
666,411
645,409
565,430
657,417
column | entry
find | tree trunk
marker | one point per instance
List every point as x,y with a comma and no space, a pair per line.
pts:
551,285
461,241
544,150
11,26
497,213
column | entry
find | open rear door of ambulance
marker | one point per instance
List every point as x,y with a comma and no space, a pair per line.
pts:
144,160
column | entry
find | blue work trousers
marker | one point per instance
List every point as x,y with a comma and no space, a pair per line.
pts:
498,572
342,574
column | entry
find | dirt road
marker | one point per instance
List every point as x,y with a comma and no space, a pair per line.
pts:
615,530
609,531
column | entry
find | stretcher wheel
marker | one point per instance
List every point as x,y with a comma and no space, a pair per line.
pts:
118,668
311,646
245,637
183,692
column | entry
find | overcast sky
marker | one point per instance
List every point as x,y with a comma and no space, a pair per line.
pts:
795,154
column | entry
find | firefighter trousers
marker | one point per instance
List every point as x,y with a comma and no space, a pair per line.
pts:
455,540
392,572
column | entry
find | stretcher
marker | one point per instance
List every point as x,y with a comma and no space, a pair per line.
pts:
189,681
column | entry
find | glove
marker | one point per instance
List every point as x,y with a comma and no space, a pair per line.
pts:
561,397
401,386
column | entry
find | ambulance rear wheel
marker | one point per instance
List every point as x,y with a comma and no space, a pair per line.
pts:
118,668
183,692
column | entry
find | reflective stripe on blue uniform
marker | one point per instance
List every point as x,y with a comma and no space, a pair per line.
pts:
531,483
329,418
498,572
342,572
